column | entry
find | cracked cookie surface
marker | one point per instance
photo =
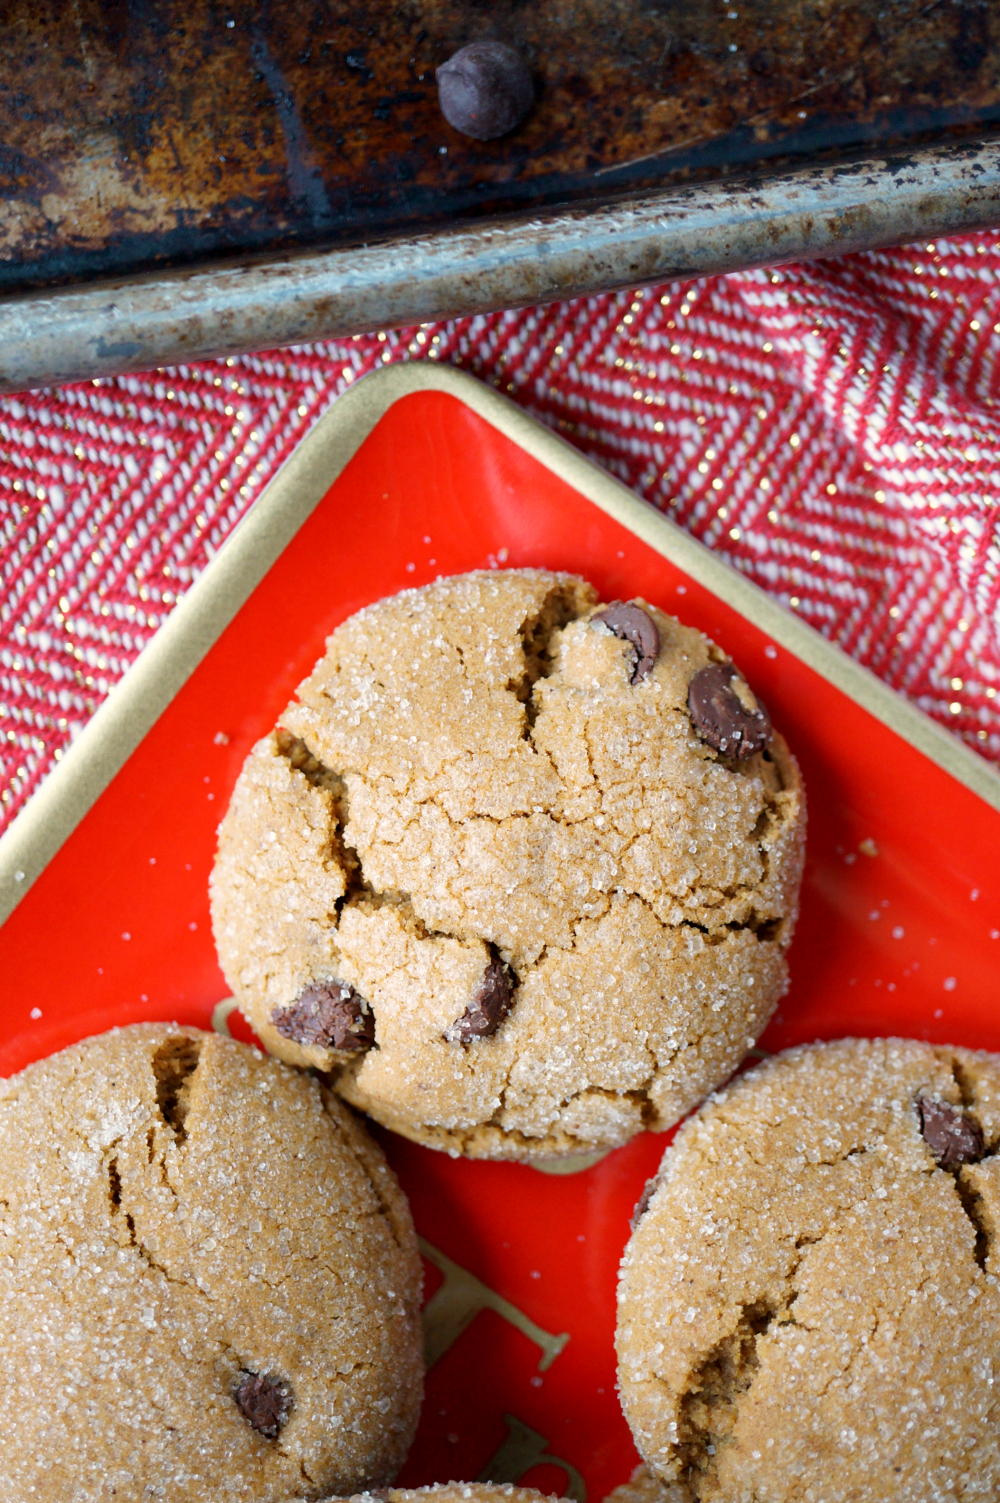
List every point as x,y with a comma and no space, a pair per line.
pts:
209,1280
809,1306
489,820
454,1492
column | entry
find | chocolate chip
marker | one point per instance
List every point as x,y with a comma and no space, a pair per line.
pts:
329,1015
731,720
491,1002
485,90
952,1137
264,1401
634,625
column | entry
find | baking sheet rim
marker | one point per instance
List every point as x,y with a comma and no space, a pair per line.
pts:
164,665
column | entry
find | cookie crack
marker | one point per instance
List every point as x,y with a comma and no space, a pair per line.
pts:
964,1082
766,929
970,1198
536,634
174,1066
973,1205
708,1409
126,1234
299,756
358,891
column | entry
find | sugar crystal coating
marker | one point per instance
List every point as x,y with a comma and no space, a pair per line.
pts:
809,1306
209,1280
473,777
452,1492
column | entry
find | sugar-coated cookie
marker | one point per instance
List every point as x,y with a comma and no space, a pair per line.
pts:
809,1306
209,1280
520,868
453,1492
643,1486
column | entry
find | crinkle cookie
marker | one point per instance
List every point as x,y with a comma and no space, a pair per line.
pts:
209,1281
809,1307
643,1486
453,1492
519,868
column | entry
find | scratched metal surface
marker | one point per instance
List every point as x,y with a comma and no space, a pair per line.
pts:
139,135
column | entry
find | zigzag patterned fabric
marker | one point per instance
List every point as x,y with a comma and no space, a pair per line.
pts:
830,429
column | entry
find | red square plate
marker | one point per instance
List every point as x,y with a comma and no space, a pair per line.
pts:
103,879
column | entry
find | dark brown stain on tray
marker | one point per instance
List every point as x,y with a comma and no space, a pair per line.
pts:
145,133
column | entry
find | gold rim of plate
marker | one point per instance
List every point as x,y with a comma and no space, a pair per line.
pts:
134,705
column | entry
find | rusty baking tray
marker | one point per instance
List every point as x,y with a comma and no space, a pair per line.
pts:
199,176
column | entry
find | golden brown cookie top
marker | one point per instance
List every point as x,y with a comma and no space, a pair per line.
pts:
454,1492
494,868
207,1271
809,1303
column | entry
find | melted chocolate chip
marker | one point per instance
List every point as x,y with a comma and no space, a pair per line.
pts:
636,626
485,90
490,1004
721,717
952,1137
264,1401
329,1015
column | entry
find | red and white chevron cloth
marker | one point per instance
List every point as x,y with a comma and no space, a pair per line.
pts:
831,429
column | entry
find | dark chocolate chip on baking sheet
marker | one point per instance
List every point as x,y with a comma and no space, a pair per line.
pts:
490,1004
637,627
264,1401
328,1015
725,713
485,90
952,1137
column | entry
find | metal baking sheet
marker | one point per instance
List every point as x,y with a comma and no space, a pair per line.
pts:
252,174
138,137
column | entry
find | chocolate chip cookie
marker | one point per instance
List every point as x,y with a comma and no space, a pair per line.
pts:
643,1486
520,869
209,1281
452,1492
809,1306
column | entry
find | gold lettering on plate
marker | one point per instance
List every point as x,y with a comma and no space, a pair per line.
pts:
572,1163
460,1299
220,1016
523,1449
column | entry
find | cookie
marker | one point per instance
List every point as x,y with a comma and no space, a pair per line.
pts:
453,1492
643,1486
808,1307
508,873
209,1280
